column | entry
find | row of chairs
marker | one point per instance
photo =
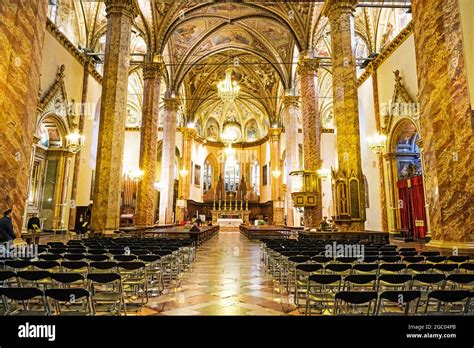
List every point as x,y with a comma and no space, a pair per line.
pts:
67,294
404,302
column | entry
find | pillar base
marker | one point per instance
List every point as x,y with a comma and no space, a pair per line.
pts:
462,247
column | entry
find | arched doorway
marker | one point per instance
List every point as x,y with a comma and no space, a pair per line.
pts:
406,181
49,176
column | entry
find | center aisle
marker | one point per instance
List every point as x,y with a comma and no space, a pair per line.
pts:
227,278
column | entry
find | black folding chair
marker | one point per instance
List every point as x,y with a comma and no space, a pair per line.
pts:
447,302
70,301
355,302
398,302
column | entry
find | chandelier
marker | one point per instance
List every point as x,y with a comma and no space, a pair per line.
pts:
227,89
377,142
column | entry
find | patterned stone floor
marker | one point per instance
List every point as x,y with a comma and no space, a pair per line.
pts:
227,279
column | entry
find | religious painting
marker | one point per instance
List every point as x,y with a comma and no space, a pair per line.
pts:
265,175
197,175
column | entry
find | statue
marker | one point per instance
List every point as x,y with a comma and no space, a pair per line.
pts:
220,192
242,191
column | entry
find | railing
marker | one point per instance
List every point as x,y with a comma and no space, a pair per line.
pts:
266,231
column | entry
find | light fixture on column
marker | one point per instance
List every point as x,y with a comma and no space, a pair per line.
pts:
183,172
376,142
135,174
227,89
276,173
323,173
74,141
158,186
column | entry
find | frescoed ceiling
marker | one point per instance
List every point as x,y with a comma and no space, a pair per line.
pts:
198,40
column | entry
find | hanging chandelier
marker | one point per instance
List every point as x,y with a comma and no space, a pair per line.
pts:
227,89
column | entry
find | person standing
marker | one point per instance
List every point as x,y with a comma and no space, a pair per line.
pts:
6,227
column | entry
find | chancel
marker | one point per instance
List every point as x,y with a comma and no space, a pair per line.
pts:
237,157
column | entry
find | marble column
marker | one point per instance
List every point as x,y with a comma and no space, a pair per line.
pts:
113,109
308,71
278,211
349,189
22,29
290,105
185,182
145,212
167,161
446,122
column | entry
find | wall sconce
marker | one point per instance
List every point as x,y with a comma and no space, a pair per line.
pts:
276,173
323,173
377,142
183,172
158,186
75,141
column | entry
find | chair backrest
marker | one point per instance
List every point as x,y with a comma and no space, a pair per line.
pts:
419,267
326,279
360,280
97,258
309,267
355,302
74,257
430,280
50,257
45,264
103,265
6,275
131,266
436,259
392,267
68,278
448,302
371,268
125,258
104,278
70,300
413,259
445,267
338,267
17,264
408,299
460,281
33,276
21,294
468,267
399,281
458,258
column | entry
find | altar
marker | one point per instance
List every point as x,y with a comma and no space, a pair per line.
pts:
230,218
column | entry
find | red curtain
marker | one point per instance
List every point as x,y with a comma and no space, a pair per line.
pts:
412,211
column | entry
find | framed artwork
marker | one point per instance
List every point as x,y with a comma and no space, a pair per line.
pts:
264,175
197,175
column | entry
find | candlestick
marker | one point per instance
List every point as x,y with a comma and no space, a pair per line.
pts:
247,204
241,204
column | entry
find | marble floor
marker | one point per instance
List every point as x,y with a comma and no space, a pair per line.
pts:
227,278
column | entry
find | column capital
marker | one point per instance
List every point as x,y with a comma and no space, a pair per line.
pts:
334,7
308,66
123,7
171,103
274,133
291,100
152,71
188,133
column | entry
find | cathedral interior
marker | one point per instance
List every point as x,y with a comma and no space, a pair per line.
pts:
244,120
